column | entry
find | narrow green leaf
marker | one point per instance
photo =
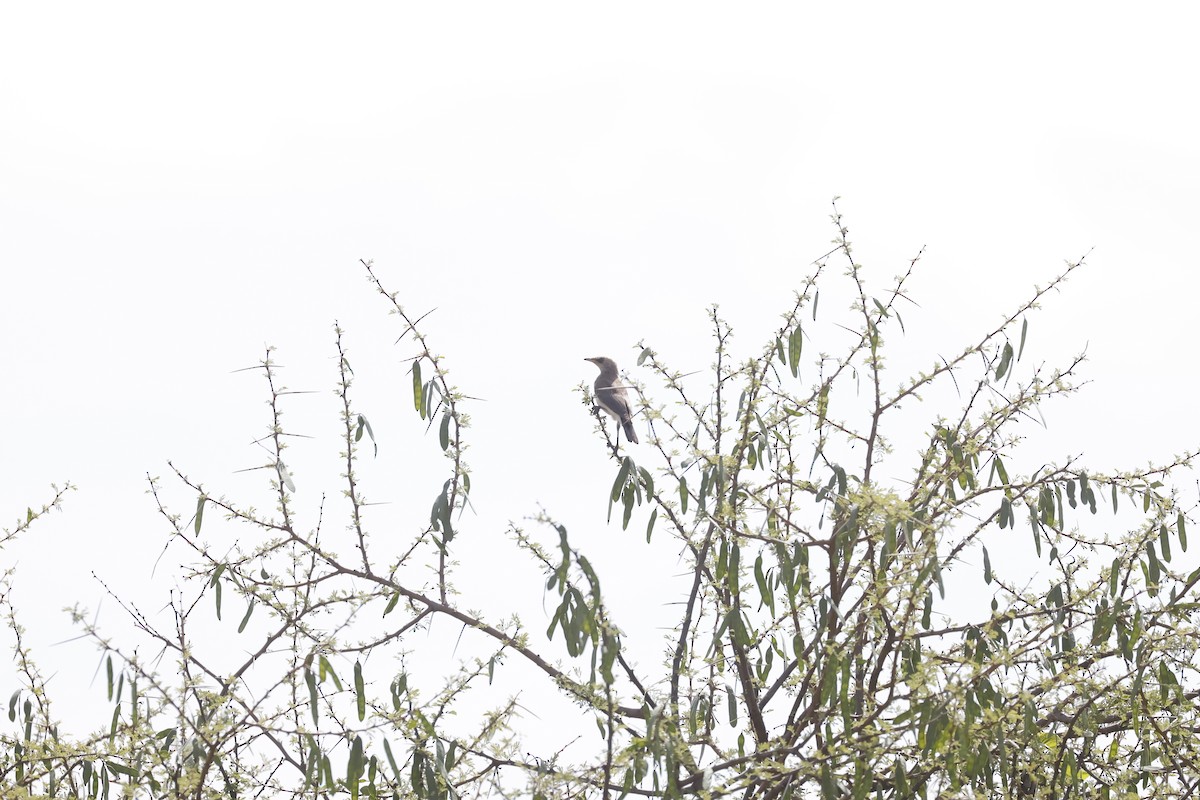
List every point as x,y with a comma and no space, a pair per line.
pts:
795,346
900,781
1024,330
311,680
1164,540
444,520
364,423
327,669
760,579
650,524
622,478
444,432
199,513
642,356
823,404
683,495
391,604
246,618
987,567
387,751
628,500
354,767
285,477
418,388
427,406
359,691
416,772
1181,527
1113,575
1005,360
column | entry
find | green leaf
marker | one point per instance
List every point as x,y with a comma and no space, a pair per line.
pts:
823,404
311,680
1005,360
387,751
1000,470
646,353
359,691
427,407
444,432
246,618
354,767
628,501
1113,575
1164,541
1182,529
418,388
199,513
285,476
622,478
1024,330
987,567
12,703
444,516
760,579
327,669
900,781
683,495
391,604
650,524
795,347
364,424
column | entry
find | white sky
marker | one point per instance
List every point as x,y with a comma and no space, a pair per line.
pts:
180,187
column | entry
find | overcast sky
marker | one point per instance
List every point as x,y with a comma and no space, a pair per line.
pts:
182,186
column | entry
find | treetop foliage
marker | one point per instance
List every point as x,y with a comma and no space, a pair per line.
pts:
820,647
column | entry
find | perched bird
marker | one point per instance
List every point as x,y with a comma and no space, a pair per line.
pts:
611,397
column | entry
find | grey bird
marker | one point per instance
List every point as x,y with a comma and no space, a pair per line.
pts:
611,396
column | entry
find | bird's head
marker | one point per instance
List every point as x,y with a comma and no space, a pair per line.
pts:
607,365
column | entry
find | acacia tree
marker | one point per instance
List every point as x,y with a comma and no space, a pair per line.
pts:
820,650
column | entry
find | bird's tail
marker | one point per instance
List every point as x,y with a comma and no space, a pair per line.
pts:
630,433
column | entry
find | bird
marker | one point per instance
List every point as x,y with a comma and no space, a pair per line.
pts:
611,396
